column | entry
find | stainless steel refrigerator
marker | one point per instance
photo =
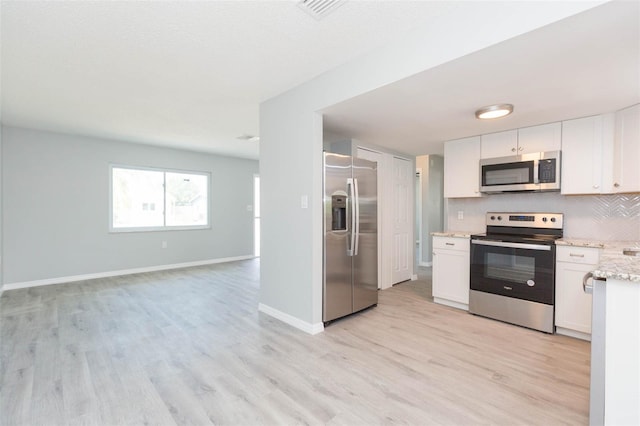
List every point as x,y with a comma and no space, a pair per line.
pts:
350,236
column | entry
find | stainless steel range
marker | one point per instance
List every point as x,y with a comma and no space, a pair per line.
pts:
512,275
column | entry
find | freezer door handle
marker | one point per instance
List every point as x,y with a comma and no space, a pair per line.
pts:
356,214
351,206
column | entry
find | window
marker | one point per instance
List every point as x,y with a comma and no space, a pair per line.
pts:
152,199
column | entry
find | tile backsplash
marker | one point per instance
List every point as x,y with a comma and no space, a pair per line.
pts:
598,217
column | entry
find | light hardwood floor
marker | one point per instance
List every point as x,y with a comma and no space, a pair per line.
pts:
189,347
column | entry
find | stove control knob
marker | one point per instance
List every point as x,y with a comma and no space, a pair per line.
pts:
493,218
544,219
553,219
499,217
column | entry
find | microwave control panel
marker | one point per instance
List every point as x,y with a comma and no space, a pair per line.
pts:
547,171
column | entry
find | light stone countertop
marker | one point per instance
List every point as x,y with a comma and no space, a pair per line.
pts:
574,242
613,263
454,234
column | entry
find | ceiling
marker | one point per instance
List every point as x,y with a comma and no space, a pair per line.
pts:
189,74
192,74
584,65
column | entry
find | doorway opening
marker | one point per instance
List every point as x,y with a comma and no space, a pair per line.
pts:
256,215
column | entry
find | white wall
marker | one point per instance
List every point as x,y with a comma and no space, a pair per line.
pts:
291,141
598,217
55,196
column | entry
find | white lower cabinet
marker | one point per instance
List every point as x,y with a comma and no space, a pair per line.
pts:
573,305
451,271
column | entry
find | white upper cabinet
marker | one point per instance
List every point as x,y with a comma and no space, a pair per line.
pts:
586,146
547,137
501,144
601,154
626,158
462,168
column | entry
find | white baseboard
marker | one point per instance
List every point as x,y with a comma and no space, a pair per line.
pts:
291,320
73,278
451,303
573,333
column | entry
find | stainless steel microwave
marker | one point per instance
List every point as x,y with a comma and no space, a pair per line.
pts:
539,171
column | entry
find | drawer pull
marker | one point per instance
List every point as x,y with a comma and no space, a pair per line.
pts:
450,244
576,255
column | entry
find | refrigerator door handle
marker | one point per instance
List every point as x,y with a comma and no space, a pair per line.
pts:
356,213
350,212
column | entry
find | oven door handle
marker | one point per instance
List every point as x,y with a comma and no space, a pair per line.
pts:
512,245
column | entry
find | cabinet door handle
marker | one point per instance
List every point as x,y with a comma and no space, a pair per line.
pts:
520,148
450,244
513,150
576,255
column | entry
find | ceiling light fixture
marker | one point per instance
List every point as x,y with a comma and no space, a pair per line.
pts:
494,111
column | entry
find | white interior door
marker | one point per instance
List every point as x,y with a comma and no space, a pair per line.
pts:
402,227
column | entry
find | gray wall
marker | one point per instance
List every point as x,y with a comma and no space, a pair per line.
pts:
1,233
598,217
55,195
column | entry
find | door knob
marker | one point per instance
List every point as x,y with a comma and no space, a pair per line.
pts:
617,185
513,150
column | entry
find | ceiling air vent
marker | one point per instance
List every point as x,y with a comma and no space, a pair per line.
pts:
319,8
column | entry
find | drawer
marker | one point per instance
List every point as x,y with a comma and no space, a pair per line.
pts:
584,255
450,243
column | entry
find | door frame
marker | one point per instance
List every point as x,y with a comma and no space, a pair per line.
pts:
418,218
385,215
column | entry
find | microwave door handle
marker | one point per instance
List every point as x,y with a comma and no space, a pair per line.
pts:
512,245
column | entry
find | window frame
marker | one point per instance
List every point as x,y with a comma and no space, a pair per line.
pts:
165,227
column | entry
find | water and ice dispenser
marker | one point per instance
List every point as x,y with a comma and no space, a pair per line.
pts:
338,212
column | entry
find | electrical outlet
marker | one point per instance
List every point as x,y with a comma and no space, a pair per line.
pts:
249,208
460,214
304,202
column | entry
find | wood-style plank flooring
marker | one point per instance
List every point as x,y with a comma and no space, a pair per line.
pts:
190,347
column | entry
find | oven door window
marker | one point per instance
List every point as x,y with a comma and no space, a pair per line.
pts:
513,268
520,172
522,273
